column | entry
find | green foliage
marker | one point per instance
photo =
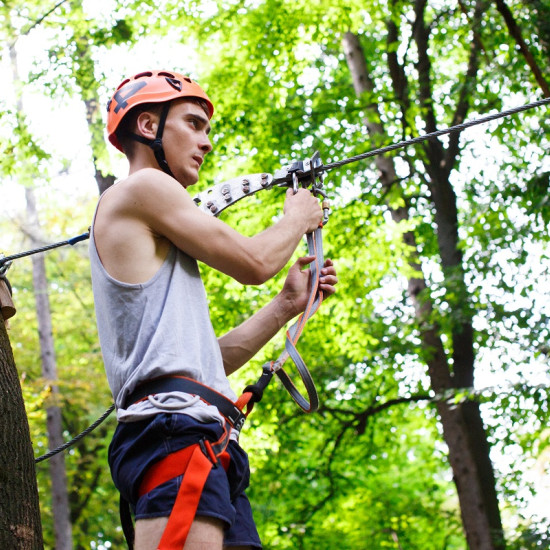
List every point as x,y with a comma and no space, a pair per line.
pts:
356,471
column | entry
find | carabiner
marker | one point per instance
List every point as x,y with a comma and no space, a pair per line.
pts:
295,182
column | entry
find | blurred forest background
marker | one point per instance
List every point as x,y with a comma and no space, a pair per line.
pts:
431,361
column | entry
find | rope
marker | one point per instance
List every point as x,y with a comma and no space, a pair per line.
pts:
77,438
4,260
7,259
452,129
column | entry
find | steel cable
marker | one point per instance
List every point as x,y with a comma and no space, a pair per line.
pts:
6,260
452,129
76,438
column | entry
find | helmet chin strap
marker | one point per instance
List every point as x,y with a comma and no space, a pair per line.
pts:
156,144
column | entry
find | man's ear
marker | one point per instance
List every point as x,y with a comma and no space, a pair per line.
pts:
147,124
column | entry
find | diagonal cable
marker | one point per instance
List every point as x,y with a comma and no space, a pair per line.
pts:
432,135
77,438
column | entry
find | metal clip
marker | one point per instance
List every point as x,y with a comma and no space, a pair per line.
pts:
295,182
4,266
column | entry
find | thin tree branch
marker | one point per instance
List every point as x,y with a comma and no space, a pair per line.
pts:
463,103
434,148
39,20
515,32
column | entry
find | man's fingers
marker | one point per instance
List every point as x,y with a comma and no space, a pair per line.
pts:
305,260
328,279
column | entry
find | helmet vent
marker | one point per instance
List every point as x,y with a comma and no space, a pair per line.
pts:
175,83
141,75
123,83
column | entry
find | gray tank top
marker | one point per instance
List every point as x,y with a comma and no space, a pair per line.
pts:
157,328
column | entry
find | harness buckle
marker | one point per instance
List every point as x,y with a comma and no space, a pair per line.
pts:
206,448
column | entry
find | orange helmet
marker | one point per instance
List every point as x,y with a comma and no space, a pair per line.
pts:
149,87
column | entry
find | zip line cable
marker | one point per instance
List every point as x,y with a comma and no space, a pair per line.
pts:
450,130
74,240
5,261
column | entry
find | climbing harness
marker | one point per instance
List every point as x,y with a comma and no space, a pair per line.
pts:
194,463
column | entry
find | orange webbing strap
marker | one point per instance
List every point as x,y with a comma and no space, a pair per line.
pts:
194,463
315,247
254,392
249,397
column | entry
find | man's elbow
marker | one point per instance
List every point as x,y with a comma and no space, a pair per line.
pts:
257,272
254,276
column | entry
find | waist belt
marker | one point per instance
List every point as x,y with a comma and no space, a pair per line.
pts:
167,384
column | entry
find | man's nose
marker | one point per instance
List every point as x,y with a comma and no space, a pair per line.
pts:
205,145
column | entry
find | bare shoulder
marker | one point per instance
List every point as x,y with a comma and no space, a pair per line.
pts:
144,189
145,198
126,225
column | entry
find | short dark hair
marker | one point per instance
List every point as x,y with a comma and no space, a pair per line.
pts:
127,125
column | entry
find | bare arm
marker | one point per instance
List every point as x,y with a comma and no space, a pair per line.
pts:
240,344
157,203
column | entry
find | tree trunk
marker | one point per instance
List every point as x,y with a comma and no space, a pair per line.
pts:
462,425
58,476
92,116
20,526
60,501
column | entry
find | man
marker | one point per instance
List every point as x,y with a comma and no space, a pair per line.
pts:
153,317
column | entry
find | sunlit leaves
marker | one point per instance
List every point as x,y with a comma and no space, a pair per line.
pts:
277,75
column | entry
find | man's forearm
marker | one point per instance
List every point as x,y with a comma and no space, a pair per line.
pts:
243,342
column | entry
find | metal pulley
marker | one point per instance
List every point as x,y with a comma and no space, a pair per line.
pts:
307,174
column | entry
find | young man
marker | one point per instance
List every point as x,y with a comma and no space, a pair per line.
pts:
153,317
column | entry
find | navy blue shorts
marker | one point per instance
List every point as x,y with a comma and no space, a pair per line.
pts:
138,445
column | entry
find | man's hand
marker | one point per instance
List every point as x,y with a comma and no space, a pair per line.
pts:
305,207
296,288
241,344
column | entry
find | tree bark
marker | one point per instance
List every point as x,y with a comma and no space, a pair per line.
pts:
515,33
92,115
19,507
58,475
462,425
439,167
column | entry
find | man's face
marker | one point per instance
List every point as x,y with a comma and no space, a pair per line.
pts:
185,140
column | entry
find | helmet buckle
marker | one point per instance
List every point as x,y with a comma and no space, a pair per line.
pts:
156,144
